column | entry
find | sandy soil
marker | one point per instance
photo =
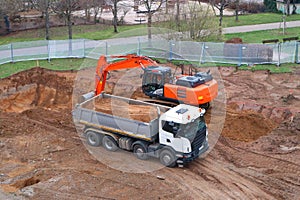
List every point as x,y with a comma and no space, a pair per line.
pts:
256,156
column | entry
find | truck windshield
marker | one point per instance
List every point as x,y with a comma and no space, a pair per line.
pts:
189,130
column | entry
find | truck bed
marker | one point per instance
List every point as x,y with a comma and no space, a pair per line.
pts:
116,124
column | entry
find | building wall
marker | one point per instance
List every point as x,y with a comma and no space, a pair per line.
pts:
281,6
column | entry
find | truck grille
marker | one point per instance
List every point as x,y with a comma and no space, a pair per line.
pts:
198,140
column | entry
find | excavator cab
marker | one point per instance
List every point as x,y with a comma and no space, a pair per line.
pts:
154,79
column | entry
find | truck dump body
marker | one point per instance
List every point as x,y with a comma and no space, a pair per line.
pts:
115,124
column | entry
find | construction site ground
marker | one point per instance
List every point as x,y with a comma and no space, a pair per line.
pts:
256,155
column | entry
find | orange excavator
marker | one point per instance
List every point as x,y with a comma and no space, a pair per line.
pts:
158,82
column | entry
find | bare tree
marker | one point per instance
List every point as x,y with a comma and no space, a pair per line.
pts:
220,5
86,6
198,23
10,7
96,7
152,7
44,7
65,8
115,14
117,6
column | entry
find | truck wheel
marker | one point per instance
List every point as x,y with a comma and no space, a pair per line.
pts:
93,139
167,158
109,143
205,106
140,152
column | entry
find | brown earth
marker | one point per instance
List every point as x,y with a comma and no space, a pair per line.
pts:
256,156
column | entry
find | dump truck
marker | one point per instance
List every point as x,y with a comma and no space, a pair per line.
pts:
176,136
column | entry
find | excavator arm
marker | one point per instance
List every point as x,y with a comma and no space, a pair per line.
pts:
130,61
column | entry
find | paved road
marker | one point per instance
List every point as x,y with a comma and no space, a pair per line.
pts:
259,27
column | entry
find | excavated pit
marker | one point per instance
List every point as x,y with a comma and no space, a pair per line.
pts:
36,119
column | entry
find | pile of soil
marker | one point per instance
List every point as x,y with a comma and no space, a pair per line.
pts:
36,87
246,125
120,108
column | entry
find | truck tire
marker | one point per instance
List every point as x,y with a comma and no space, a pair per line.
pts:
93,139
109,143
167,158
140,152
205,106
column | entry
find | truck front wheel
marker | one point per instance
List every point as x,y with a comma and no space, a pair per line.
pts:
167,158
140,152
93,139
109,143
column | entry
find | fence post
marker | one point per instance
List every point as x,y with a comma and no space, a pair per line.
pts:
106,48
139,47
297,52
240,54
83,48
202,56
49,50
279,52
170,50
70,47
11,52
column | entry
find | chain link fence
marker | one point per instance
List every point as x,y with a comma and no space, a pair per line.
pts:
201,52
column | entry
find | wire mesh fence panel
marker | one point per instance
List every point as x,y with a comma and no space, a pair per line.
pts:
90,46
218,52
66,48
276,53
5,54
187,50
95,48
288,52
121,49
155,48
255,53
238,54
33,50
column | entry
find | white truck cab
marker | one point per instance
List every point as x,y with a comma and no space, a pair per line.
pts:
183,129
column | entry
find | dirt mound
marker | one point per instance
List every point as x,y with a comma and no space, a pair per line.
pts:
246,125
36,87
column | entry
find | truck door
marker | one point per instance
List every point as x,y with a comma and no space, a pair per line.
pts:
167,136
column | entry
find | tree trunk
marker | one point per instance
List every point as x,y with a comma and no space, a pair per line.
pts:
115,13
237,2
149,24
47,23
177,13
221,19
69,25
288,2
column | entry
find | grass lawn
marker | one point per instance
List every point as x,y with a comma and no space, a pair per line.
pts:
259,36
284,68
102,31
94,32
260,18
55,64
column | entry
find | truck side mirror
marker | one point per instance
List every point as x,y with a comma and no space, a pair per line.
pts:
175,130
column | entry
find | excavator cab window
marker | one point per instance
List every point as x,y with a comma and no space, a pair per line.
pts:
152,81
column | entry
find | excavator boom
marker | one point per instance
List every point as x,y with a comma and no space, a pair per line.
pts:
130,61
